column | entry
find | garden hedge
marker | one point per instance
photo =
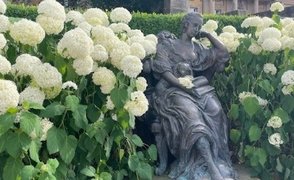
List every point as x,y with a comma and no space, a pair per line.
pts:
147,23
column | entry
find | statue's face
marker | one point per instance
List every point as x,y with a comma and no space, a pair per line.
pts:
194,26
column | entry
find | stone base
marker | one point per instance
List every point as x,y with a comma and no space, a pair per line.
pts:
243,173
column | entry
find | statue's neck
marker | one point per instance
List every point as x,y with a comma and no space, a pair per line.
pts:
185,38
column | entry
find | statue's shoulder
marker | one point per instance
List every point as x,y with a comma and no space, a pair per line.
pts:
166,39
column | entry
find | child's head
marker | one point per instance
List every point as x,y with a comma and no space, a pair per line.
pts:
183,69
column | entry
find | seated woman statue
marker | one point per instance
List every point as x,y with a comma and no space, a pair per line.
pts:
190,122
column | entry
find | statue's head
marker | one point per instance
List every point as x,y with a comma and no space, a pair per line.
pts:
191,23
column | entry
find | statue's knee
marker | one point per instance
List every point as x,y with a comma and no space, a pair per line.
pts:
202,144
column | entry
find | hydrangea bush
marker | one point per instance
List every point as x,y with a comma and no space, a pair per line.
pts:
69,94
258,92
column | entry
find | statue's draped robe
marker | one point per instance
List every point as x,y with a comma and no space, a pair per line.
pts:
184,118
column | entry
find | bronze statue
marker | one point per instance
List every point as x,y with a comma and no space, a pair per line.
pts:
190,122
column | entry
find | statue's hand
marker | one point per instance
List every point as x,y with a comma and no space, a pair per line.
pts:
193,92
202,34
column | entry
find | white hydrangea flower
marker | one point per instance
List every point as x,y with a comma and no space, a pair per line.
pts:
287,42
32,94
275,122
119,27
52,92
27,32
99,54
85,26
46,124
136,39
277,6
229,29
286,21
75,44
254,21
135,32
96,16
26,64
120,14
47,76
276,140
230,42
120,50
83,66
267,22
244,95
114,117
287,90
2,41
288,78
5,24
50,25
141,84
138,104
151,37
2,7
9,95
210,26
254,48
131,66
109,103
288,30
149,46
105,78
74,17
52,9
186,82
270,68
5,65
138,50
69,84
270,32
104,36
271,44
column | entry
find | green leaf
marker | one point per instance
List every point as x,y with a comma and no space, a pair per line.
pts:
34,150
55,139
6,122
266,85
32,105
262,156
80,116
132,121
88,171
279,166
72,102
145,171
3,142
105,176
137,140
282,114
251,105
52,165
287,103
254,133
234,111
120,174
12,168
15,142
107,146
152,151
119,96
54,109
28,172
68,148
133,162
30,122
235,135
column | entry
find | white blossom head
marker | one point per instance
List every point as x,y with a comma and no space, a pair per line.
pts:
229,29
69,85
254,48
52,9
75,44
46,124
274,122
96,16
109,103
26,64
74,17
138,104
104,78
50,25
27,32
141,84
32,94
2,41
277,6
288,78
5,65
138,50
254,21
271,44
270,68
99,54
47,76
9,96
120,14
131,66
276,140
2,7
5,23
83,66
210,26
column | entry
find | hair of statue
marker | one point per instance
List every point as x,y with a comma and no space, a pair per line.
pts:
189,18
